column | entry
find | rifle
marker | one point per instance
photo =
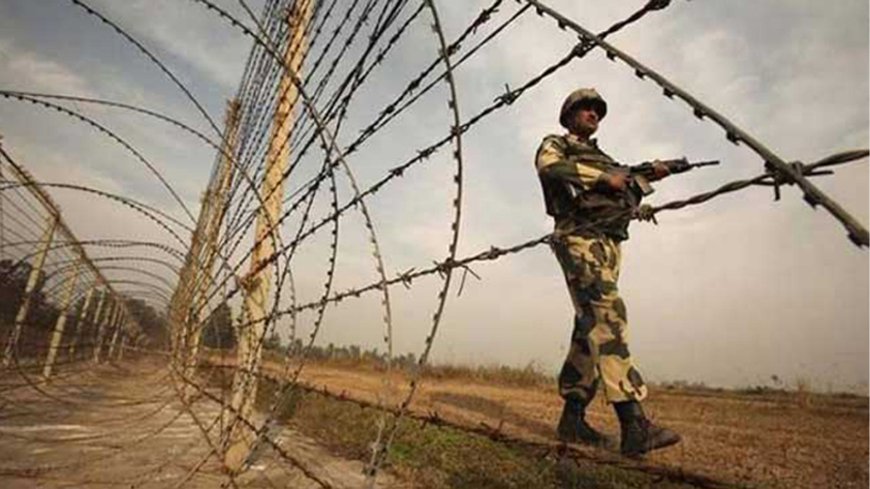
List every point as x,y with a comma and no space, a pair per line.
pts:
642,173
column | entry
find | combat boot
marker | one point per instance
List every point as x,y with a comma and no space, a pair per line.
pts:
640,435
573,427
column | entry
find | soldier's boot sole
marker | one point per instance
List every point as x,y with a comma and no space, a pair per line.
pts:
645,438
578,431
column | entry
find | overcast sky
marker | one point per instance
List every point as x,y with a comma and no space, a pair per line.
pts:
727,293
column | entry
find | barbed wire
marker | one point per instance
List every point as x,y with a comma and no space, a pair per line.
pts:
496,433
109,133
812,195
154,60
422,156
346,49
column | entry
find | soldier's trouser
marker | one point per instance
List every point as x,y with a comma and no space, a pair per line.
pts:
599,341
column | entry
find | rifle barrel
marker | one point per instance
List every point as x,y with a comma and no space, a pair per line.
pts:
705,163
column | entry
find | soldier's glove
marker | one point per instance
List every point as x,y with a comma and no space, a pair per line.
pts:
645,212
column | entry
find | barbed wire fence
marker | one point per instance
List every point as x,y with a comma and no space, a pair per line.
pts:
282,178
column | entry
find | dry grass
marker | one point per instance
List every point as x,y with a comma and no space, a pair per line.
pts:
803,392
529,376
769,438
761,436
532,375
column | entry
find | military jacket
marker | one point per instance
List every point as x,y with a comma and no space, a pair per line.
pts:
573,177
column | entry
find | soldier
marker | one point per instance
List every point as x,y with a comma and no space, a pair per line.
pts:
591,199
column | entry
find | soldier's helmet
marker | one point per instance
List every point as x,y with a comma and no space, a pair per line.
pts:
582,95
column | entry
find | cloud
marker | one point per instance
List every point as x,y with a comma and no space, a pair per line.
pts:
25,70
191,33
38,72
727,253
711,291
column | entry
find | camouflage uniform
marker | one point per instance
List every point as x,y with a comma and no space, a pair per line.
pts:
591,221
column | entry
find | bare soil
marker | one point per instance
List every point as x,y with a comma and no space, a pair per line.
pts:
770,440
124,426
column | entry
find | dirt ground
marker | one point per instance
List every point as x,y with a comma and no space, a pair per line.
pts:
123,426
774,440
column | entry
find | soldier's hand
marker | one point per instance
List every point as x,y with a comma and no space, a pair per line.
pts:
661,169
645,212
618,181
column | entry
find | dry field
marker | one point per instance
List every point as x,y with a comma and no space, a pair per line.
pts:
770,440
123,426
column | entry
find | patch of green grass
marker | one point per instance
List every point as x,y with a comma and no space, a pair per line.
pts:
440,458
444,457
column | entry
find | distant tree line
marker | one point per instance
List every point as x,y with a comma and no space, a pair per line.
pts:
154,325
42,313
218,333
218,330
346,354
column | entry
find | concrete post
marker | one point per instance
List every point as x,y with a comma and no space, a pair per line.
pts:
57,336
107,321
99,314
83,314
2,214
212,231
123,345
32,282
118,327
259,278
